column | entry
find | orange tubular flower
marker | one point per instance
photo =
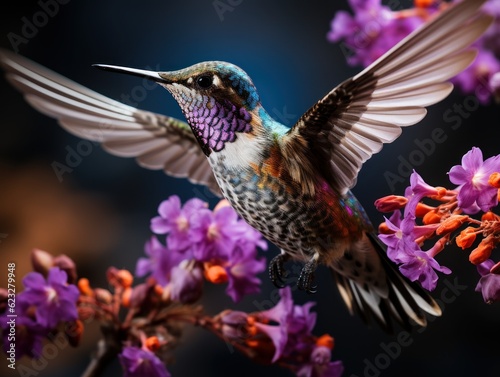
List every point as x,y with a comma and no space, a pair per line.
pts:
74,332
466,238
84,287
482,252
489,216
384,229
152,343
423,3
326,341
422,209
495,269
127,294
451,223
432,217
125,278
494,180
390,203
215,274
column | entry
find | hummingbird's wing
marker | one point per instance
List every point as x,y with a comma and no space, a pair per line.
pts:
352,122
157,141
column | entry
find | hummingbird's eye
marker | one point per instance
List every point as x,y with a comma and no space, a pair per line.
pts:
204,81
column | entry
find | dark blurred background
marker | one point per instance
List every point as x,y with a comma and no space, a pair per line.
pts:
99,214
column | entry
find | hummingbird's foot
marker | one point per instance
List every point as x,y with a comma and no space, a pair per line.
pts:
306,277
277,271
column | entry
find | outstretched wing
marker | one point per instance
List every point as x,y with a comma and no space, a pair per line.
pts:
352,122
157,141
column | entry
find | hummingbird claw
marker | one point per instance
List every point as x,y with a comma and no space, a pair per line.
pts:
306,277
277,273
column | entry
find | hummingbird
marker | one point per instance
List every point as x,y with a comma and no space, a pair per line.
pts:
292,184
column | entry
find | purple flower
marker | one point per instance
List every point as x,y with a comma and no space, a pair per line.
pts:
490,40
160,262
371,32
417,190
401,239
242,268
419,265
216,233
186,282
475,79
489,284
472,177
403,249
197,235
175,220
285,329
320,365
405,232
291,332
280,315
29,334
139,362
234,324
54,300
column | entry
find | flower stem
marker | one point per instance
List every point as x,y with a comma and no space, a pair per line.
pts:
107,350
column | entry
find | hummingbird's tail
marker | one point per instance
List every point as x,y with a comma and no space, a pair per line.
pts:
372,286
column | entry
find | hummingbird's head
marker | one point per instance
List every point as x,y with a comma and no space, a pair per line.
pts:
217,98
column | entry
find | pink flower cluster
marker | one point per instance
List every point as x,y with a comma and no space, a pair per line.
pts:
374,28
405,234
142,323
199,244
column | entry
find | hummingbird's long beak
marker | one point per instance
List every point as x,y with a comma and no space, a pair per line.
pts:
151,75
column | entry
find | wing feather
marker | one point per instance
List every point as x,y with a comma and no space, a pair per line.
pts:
369,109
156,141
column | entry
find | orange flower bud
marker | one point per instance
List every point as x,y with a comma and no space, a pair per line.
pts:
74,332
215,274
482,251
431,217
384,229
495,269
158,289
450,224
326,341
125,278
466,238
152,343
390,203
494,180
41,261
422,209
253,343
84,287
127,294
223,203
66,264
252,330
489,216
423,3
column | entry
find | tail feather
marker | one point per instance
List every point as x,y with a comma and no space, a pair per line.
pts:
401,300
